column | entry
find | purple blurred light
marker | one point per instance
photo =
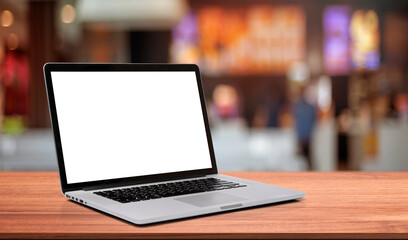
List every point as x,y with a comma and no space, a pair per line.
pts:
336,50
186,31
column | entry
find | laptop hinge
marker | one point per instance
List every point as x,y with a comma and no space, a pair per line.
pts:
128,183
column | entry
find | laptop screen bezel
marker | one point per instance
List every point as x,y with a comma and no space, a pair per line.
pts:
104,67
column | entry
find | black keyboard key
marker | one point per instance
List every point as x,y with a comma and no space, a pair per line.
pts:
155,191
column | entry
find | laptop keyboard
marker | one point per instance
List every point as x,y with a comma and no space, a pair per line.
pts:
135,194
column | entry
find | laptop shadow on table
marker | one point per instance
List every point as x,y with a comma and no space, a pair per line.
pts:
192,217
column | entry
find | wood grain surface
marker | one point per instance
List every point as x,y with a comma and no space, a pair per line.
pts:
355,205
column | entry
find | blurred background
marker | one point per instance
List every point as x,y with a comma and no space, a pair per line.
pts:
290,85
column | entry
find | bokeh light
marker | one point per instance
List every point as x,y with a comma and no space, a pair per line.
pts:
68,13
7,18
12,41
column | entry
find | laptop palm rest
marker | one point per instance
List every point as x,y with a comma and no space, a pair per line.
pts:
209,199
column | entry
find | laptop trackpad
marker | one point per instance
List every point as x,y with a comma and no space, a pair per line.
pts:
208,199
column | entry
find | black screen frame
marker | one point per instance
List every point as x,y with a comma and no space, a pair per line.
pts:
103,67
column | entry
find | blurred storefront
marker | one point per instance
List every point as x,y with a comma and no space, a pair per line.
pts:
290,85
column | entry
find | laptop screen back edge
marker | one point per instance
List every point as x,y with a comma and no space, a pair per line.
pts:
118,123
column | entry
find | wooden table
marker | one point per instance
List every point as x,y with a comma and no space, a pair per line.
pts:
337,205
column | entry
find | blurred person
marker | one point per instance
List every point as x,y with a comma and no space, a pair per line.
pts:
324,99
268,111
275,103
345,120
304,115
225,104
285,119
260,118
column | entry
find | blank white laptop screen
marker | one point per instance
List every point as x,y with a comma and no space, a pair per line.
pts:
126,124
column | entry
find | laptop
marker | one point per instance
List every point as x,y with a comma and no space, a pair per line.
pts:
133,141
